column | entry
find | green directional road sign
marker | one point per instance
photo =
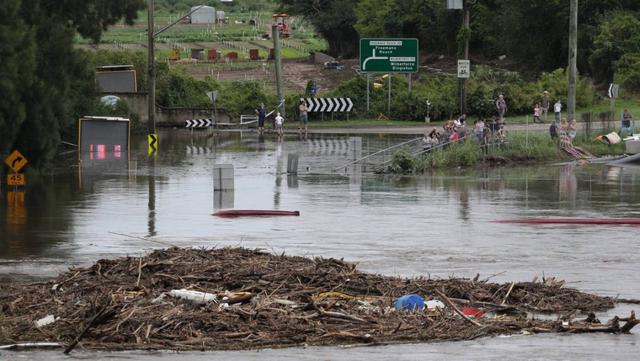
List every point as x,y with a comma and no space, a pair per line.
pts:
389,55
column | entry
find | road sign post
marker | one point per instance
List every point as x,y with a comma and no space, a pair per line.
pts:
153,144
16,161
213,95
16,180
464,69
613,92
389,56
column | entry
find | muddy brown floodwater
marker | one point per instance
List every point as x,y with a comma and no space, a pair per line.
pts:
437,224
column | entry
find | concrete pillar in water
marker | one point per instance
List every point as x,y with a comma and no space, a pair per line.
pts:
292,164
223,186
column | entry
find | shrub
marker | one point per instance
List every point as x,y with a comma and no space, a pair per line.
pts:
403,162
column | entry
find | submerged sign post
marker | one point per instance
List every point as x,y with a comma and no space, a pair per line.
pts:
389,55
16,161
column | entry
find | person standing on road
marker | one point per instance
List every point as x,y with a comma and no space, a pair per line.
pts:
626,121
546,101
553,130
536,114
279,123
557,110
261,112
304,116
501,107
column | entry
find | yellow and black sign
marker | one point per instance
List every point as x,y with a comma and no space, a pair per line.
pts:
16,161
153,144
16,179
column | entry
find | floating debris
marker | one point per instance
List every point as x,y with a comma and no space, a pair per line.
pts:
255,299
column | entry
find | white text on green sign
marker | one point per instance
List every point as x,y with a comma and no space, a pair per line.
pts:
389,55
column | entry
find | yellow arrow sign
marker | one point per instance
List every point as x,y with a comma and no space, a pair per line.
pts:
16,161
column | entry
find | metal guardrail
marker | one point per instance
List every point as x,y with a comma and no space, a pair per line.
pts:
248,119
376,153
425,151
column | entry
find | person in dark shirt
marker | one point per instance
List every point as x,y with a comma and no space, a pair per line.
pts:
553,130
261,112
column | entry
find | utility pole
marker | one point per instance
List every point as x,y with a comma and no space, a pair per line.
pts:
573,52
151,66
152,70
466,9
275,32
389,100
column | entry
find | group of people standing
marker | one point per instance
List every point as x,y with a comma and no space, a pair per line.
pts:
455,130
278,121
540,111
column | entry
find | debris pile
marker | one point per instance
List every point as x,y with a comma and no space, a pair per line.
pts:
234,298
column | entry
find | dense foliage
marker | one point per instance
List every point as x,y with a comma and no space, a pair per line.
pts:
441,91
534,33
617,50
46,84
333,19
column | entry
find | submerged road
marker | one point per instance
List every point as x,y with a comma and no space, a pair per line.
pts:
419,130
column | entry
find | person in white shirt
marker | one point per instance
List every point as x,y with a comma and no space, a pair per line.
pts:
279,125
557,109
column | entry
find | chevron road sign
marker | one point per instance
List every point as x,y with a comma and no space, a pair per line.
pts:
321,105
153,144
199,123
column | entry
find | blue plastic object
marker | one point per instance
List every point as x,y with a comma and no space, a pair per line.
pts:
411,302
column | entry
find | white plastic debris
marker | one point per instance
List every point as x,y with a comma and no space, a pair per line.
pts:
47,320
198,297
434,304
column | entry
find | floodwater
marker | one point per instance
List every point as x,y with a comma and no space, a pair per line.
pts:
438,224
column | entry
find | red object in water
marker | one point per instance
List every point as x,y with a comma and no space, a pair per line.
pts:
254,212
474,312
596,221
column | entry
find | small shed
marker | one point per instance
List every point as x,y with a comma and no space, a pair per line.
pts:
213,55
203,15
232,56
197,54
220,16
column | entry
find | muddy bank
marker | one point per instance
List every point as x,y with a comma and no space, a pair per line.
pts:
256,300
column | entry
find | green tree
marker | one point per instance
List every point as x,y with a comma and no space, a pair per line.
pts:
371,17
51,84
17,56
617,36
333,19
